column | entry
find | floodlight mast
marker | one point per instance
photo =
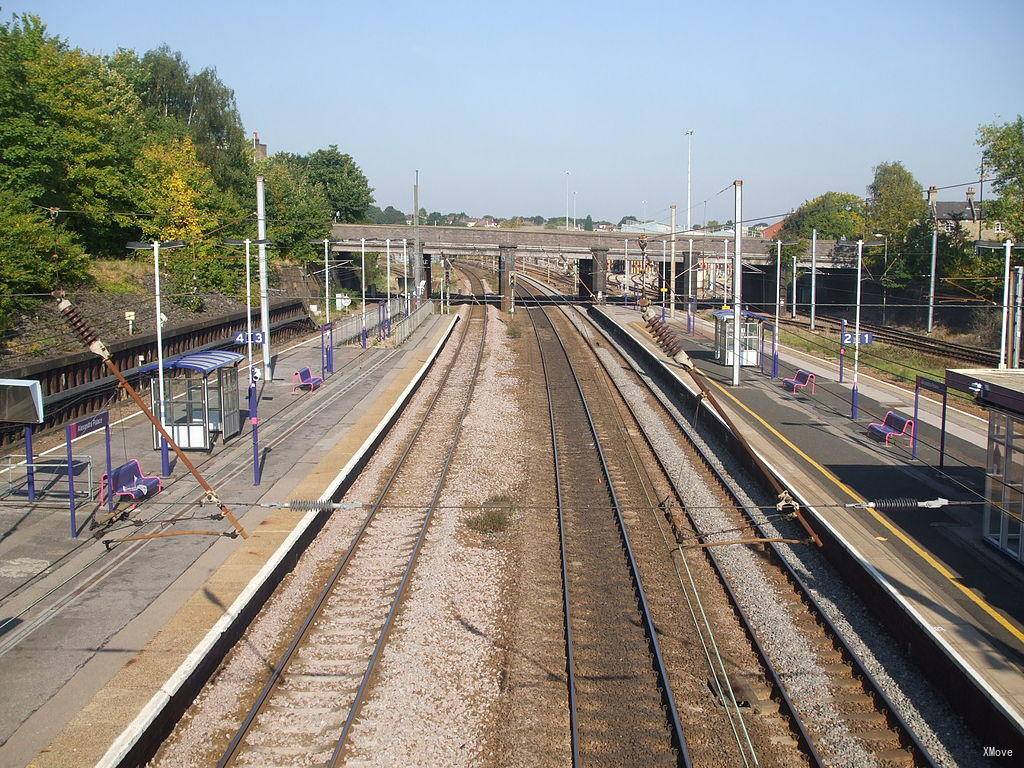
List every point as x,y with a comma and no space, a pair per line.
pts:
89,338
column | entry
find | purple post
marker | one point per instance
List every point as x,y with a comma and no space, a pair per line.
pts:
110,469
255,421
842,350
30,472
71,484
690,317
853,403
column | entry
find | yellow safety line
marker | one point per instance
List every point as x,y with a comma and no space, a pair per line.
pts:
913,545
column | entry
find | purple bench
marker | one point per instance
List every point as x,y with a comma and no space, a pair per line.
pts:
129,481
893,425
304,378
798,382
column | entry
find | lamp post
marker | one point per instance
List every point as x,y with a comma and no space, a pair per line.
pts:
362,249
689,147
643,207
253,398
574,211
156,245
566,201
405,261
814,272
387,278
327,243
856,332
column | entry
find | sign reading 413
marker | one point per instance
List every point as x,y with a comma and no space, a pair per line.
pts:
257,337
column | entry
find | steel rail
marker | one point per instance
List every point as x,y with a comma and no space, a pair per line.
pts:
899,724
340,746
263,698
668,698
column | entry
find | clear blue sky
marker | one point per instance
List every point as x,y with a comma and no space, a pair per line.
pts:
494,101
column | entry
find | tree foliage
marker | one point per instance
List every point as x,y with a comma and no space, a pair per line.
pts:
1003,153
130,146
895,201
834,215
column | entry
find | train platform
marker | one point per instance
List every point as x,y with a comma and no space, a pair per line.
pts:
93,635
966,593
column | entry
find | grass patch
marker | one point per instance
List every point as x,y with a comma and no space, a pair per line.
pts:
120,276
495,516
513,329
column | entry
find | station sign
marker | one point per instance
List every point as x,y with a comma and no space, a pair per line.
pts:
90,424
257,337
850,338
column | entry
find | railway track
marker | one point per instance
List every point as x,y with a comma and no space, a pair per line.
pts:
893,336
612,650
866,711
906,339
310,702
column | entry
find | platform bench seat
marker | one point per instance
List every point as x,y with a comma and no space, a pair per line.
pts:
798,382
893,425
128,481
304,378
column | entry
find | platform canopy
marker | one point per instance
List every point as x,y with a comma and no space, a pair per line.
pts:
203,362
727,314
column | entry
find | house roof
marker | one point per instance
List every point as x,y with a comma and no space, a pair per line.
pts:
957,209
772,232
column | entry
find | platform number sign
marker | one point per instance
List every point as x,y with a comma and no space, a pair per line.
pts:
257,337
849,338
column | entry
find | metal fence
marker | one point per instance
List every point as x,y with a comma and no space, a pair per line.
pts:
50,477
347,331
403,329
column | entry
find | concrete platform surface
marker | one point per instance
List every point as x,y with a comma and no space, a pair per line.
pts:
96,633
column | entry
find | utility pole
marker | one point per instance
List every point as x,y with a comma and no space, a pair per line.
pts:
814,272
405,261
737,282
574,211
856,333
261,234
689,288
672,267
387,308
417,255
792,308
778,299
566,201
931,279
1006,303
362,248
689,154
327,280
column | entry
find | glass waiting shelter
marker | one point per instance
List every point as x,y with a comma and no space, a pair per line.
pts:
1001,393
200,398
750,336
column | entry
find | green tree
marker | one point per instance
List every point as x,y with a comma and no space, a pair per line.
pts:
200,105
348,192
834,214
1002,147
39,256
588,224
176,190
298,209
895,201
68,130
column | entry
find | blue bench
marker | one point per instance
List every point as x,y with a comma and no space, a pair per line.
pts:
892,426
304,378
798,382
129,481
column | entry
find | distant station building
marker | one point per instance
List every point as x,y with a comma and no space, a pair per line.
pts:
1001,393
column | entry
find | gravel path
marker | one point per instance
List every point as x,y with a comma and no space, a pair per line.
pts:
201,735
439,682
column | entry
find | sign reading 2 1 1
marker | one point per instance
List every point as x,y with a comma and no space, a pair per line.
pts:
850,336
257,337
